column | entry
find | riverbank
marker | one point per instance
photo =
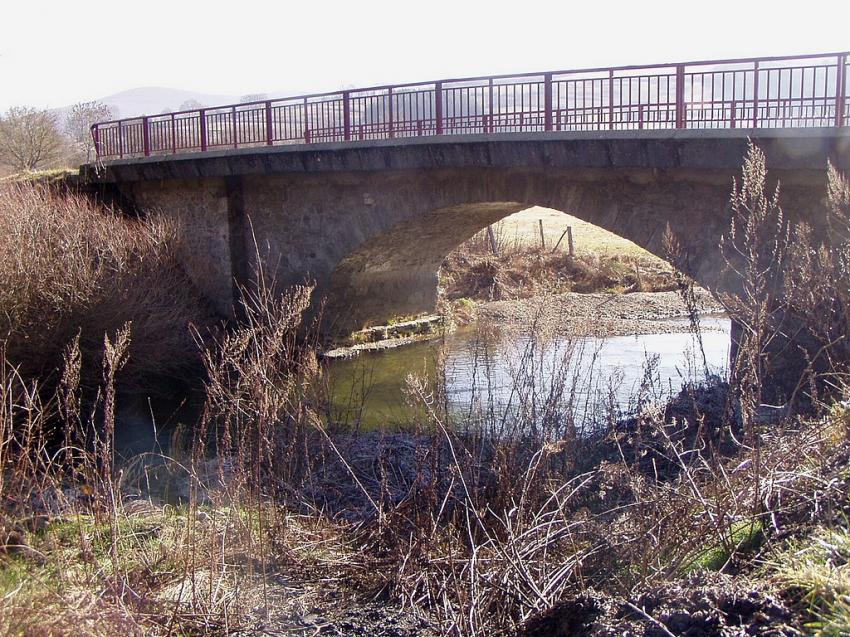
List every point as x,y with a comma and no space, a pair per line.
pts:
599,314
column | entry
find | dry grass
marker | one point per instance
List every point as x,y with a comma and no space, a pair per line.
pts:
524,273
521,267
522,230
68,267
481,527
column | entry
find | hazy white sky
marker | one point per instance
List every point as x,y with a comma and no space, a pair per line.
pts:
57,53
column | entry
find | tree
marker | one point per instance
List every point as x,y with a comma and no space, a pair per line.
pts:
29,138
253,97
191,105
78,121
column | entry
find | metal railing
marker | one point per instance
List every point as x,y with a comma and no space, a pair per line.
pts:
778,92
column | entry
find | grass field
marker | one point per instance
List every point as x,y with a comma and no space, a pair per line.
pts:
523,228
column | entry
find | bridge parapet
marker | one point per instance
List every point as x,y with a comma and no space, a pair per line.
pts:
776,92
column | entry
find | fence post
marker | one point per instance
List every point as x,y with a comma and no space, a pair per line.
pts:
146,136
438,107
841,92
346,115
611,99
756,95
269,125
494,246
173,136
681,116
121,140
203,115
547,100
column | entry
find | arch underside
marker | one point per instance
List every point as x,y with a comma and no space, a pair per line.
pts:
373,241
394,272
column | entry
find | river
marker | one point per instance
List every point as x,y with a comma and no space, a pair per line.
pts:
473,371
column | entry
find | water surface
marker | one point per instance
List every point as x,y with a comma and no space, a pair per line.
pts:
509,373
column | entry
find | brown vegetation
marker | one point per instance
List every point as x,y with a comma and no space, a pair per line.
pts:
683,519
473,272
69,268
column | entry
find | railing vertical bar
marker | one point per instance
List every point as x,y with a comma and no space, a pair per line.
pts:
234,127
438,107
306,122
95,135
202,132
841,90
146,136
681,116
611,99
346,115
269,124
547,101
756,74
173,136
390,114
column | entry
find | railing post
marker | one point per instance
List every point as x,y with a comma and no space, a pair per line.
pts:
681,115
121,139
756,95
611,99
391,114
438,107
233,126
202,114
173,136
547,101
490,106
841,90
95,135
306,123
269,125
346,115
146,136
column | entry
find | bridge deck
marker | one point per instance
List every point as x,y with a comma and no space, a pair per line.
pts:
711,150
755,93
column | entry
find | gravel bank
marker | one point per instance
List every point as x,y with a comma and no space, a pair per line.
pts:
599,314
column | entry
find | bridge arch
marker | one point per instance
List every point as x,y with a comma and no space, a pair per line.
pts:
393,270
371,224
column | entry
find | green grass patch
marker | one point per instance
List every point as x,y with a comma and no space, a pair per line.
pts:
741,537
817,572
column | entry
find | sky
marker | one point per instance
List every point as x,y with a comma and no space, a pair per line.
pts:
57,53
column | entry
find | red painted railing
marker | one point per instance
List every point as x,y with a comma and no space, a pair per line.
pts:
786,92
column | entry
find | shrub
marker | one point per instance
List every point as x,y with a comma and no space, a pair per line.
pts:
69,267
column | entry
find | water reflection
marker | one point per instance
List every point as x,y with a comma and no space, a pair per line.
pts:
490,376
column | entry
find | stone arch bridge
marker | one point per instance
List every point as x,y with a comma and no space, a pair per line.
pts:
371,222
365,191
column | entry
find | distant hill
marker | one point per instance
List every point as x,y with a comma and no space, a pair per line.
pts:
151,100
